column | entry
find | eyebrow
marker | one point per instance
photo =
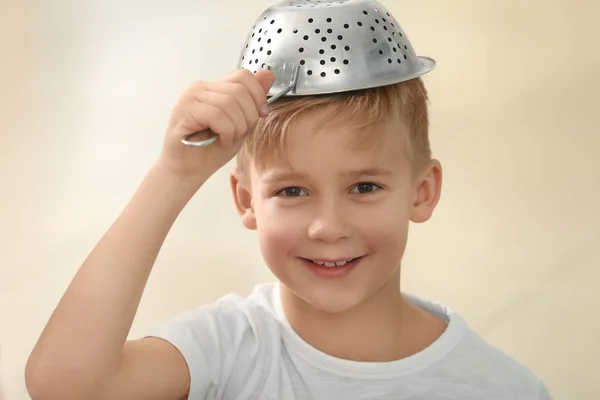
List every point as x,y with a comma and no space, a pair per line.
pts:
290,175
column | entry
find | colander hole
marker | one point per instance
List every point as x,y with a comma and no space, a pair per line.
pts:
346,26
269,41
301,49
381,52
346,62
347,48
309,72
321,51
393,48
337,71
333,47
253,51
253,34
305,37
302,62
405,47
323,39
365,12
260,30
389,60
330,30
374,40
323,74
272,22
333,59
261,49
376,21
329,20
360,23
405,57
390,39
259,39
269,52
279,30
399,61
256,61
250,62
317,31
385,27
383,19
322,62
340,37
310,20
373,28
295,30
393,26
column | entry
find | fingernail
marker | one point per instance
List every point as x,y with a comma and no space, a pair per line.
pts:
265,110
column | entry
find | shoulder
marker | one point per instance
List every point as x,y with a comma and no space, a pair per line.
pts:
232,313
468,357
493,365
236,333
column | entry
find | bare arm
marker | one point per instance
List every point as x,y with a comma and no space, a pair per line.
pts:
81,348
82,353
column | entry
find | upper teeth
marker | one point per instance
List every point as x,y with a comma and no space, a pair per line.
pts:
332,264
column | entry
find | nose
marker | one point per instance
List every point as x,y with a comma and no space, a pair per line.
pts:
330,224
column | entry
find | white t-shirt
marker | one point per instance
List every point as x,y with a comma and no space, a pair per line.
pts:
243,348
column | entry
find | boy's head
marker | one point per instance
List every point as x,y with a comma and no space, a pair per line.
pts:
334,178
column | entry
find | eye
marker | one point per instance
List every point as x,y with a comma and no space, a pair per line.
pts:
293,191
365,187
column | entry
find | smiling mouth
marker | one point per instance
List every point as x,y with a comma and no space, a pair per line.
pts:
333,264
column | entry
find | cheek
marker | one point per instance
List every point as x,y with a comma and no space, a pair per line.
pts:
385,228
279,229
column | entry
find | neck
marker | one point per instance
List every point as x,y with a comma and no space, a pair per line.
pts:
386,327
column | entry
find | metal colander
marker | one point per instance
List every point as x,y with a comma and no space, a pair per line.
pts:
318,47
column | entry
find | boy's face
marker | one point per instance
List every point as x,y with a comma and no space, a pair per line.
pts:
331,203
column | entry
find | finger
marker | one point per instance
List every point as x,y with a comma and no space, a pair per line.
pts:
254,85
229,105
266,79
240,93
208,116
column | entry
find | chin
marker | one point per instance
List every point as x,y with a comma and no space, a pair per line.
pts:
332,301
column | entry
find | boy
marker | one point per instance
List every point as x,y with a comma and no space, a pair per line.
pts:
330,184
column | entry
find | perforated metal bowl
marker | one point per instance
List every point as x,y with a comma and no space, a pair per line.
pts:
339,46
318,47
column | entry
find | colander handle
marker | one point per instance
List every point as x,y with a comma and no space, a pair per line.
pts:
213,136
203,143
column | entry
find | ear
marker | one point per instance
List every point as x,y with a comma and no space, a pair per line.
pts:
428,188
242,198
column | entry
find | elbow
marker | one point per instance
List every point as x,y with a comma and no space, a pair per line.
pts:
45,381
41,382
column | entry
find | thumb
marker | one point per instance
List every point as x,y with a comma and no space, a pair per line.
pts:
266,79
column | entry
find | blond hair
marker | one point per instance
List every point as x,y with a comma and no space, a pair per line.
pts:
366,110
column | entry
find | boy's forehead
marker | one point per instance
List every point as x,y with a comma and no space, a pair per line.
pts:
314,144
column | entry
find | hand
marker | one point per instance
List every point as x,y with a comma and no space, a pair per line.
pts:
230,107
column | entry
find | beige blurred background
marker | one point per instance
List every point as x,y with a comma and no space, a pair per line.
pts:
86,88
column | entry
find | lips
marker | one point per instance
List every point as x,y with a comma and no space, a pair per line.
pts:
332,269
332,263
